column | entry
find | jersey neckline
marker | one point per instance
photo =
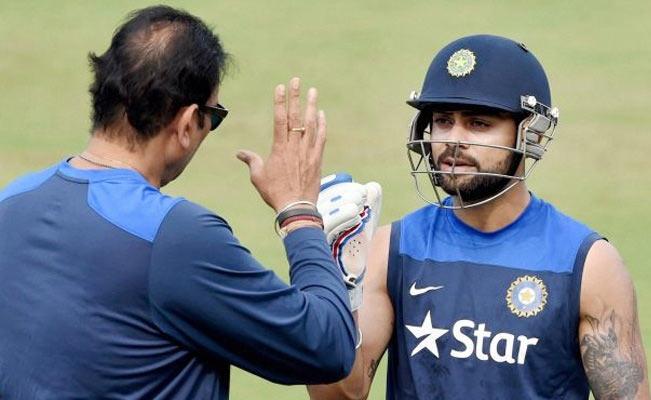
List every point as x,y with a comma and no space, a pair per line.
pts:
100,174
494,237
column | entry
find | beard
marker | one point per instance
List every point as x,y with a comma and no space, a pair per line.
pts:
475,188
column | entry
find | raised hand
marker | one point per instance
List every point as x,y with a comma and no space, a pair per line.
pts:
292,171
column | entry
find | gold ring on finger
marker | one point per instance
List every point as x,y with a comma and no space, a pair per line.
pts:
301,129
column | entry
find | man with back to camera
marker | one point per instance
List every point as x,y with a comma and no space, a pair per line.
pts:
110,289
491,292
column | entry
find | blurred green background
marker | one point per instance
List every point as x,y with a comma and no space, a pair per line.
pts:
364,57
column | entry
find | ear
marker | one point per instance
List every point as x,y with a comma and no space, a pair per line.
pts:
185,123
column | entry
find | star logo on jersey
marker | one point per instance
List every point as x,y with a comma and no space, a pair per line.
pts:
461,63
429,333
527,296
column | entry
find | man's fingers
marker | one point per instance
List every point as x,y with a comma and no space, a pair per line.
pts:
311,117
294,110
280,115
320,134
253,160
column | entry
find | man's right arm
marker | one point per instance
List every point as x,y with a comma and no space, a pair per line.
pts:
375,319
208,293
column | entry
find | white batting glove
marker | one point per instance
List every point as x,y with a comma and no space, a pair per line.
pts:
350,212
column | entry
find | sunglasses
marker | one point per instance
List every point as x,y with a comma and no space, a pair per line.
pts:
217,114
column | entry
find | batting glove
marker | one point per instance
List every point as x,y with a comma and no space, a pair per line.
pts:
350,212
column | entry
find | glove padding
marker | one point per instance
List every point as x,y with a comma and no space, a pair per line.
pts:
350,214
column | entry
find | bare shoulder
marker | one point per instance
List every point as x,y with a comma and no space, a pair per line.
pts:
605,278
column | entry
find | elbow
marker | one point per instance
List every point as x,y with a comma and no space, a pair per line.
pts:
340,350
331,344
320,360
349,361
343,365
335,362
334,373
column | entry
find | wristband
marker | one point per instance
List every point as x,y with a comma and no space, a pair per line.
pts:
310,218
296,214
293,212
297,203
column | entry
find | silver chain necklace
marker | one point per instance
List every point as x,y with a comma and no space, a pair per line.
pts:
95,162
91,158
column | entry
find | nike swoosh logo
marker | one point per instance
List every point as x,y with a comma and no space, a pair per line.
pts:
418,291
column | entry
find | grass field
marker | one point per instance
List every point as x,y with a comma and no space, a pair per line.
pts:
364,57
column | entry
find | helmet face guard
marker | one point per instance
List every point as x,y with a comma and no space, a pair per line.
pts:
534,134
489,72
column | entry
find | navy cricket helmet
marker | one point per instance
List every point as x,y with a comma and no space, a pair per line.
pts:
483,71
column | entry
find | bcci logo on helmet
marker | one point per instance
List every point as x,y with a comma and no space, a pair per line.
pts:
461,63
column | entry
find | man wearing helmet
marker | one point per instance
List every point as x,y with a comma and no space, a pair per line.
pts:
491,292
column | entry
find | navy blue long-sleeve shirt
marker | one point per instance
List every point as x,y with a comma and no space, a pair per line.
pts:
110,289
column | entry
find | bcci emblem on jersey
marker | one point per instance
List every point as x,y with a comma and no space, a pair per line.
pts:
526,296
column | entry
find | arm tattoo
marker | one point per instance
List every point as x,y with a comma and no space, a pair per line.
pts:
372,368
612,374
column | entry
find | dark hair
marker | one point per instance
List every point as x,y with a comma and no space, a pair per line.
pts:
160,59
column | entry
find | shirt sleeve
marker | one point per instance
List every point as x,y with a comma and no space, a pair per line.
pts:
209,293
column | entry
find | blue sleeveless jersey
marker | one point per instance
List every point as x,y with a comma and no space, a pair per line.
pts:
487,315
